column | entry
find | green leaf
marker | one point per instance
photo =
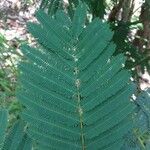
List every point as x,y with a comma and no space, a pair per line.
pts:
51,6
95,7
26,143
98,8
78,20
131,142
3,125
136,139
17,138
143,115
75,92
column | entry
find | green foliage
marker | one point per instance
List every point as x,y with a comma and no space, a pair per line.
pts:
139,138
131,142
17,139
51,6
142,118
8,100
135,56
143,114
75,92
74,89
8,73
97,8
3,125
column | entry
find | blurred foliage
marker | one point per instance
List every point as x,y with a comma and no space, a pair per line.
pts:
142,119
9,58
97,8
139,138
135,57
17,138
8,73
11,20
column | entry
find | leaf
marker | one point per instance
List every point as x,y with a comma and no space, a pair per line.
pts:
96,8
131,142
143,114
148,146
51,6
79,20
3,125
26,143
75,92
136,139
17,138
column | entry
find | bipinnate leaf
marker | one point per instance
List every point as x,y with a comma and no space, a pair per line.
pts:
75,92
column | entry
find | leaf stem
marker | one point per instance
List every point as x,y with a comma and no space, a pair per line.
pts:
81,121
80,110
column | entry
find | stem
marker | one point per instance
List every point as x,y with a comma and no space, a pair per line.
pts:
81,120
80,110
